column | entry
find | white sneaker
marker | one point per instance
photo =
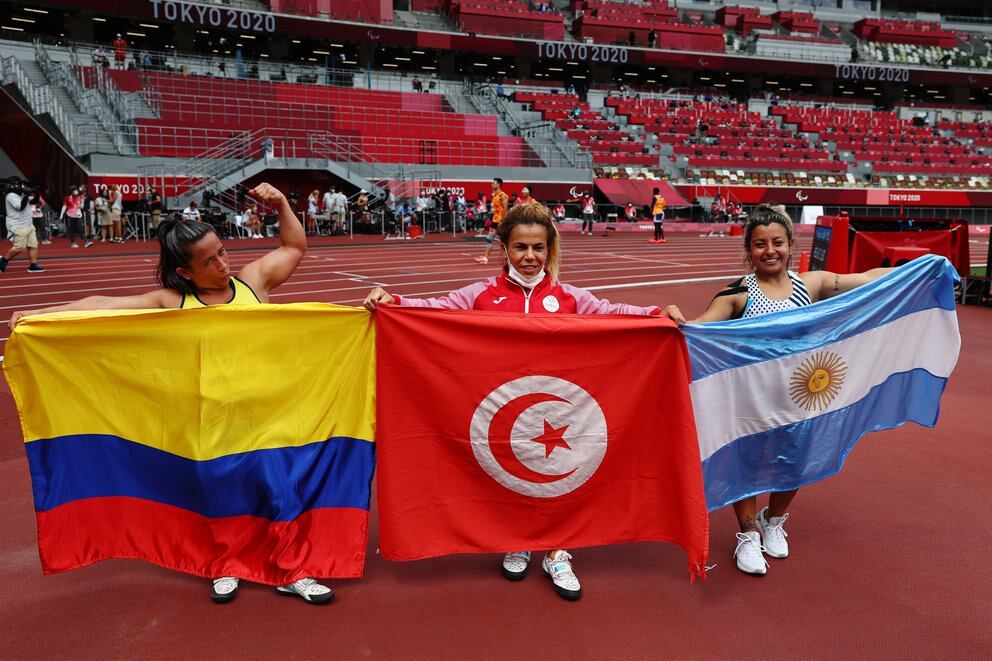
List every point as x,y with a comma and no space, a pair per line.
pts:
559,569
749,553
87,244
309,590
74,245
224,589
773,534
515,565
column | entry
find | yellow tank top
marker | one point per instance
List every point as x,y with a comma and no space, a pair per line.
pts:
241,293
659,205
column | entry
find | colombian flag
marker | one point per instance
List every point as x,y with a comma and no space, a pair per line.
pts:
224,441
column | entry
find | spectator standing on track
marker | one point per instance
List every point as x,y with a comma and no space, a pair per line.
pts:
155,210
528,283
102,206
191,212
72,215
328,202
120,51
658,215
313,208
771,287
588,213
38,218
20,227
116,209
500,205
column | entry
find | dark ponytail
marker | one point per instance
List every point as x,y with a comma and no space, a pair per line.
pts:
175,236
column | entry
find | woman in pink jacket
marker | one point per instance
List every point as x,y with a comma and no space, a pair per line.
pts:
529,283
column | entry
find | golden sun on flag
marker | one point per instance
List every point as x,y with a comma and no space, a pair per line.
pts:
817,381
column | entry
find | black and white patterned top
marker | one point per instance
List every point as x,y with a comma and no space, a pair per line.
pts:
758,303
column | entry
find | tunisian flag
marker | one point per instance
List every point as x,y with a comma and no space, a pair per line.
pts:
501,431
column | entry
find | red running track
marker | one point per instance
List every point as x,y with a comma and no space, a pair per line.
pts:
886,558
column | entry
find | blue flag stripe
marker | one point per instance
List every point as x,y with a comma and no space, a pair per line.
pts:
801,453
924,283
277,484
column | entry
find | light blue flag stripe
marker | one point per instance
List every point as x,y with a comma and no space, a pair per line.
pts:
923,283
801,453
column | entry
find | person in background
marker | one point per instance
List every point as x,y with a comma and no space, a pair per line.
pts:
658,215
38,218
252,221
191,212
588,214
313,208
500,205
558,212
72,215
630,212
155,209
652,38
116,210
120,51
21,229
103,219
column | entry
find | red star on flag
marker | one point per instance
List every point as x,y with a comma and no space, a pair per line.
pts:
552,438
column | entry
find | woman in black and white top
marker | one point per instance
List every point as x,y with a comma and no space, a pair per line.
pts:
771,287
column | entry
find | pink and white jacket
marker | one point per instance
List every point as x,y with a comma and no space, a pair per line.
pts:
503,295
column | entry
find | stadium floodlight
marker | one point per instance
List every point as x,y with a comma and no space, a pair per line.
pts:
11,27
555,69
397,58
22,20
36,11
148,25
99,19
325,52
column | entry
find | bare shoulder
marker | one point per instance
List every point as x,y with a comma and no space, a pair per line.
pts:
165,298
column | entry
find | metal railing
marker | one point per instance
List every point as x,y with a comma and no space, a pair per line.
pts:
87,101
556,151
40,99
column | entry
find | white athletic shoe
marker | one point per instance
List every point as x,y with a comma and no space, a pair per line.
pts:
515,565
309,590
773,534
224,589
749,553
559,569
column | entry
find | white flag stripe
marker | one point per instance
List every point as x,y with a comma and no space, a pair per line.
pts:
761,398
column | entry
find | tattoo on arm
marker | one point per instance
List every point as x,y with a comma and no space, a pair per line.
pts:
836,283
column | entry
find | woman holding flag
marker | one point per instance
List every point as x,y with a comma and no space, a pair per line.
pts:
194,271
771,287
528,283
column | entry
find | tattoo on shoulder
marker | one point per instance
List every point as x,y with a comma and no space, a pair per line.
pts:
836,283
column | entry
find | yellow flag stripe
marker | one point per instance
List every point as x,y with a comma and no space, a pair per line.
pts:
200,383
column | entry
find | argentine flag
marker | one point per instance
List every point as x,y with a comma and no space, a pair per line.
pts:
781,399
